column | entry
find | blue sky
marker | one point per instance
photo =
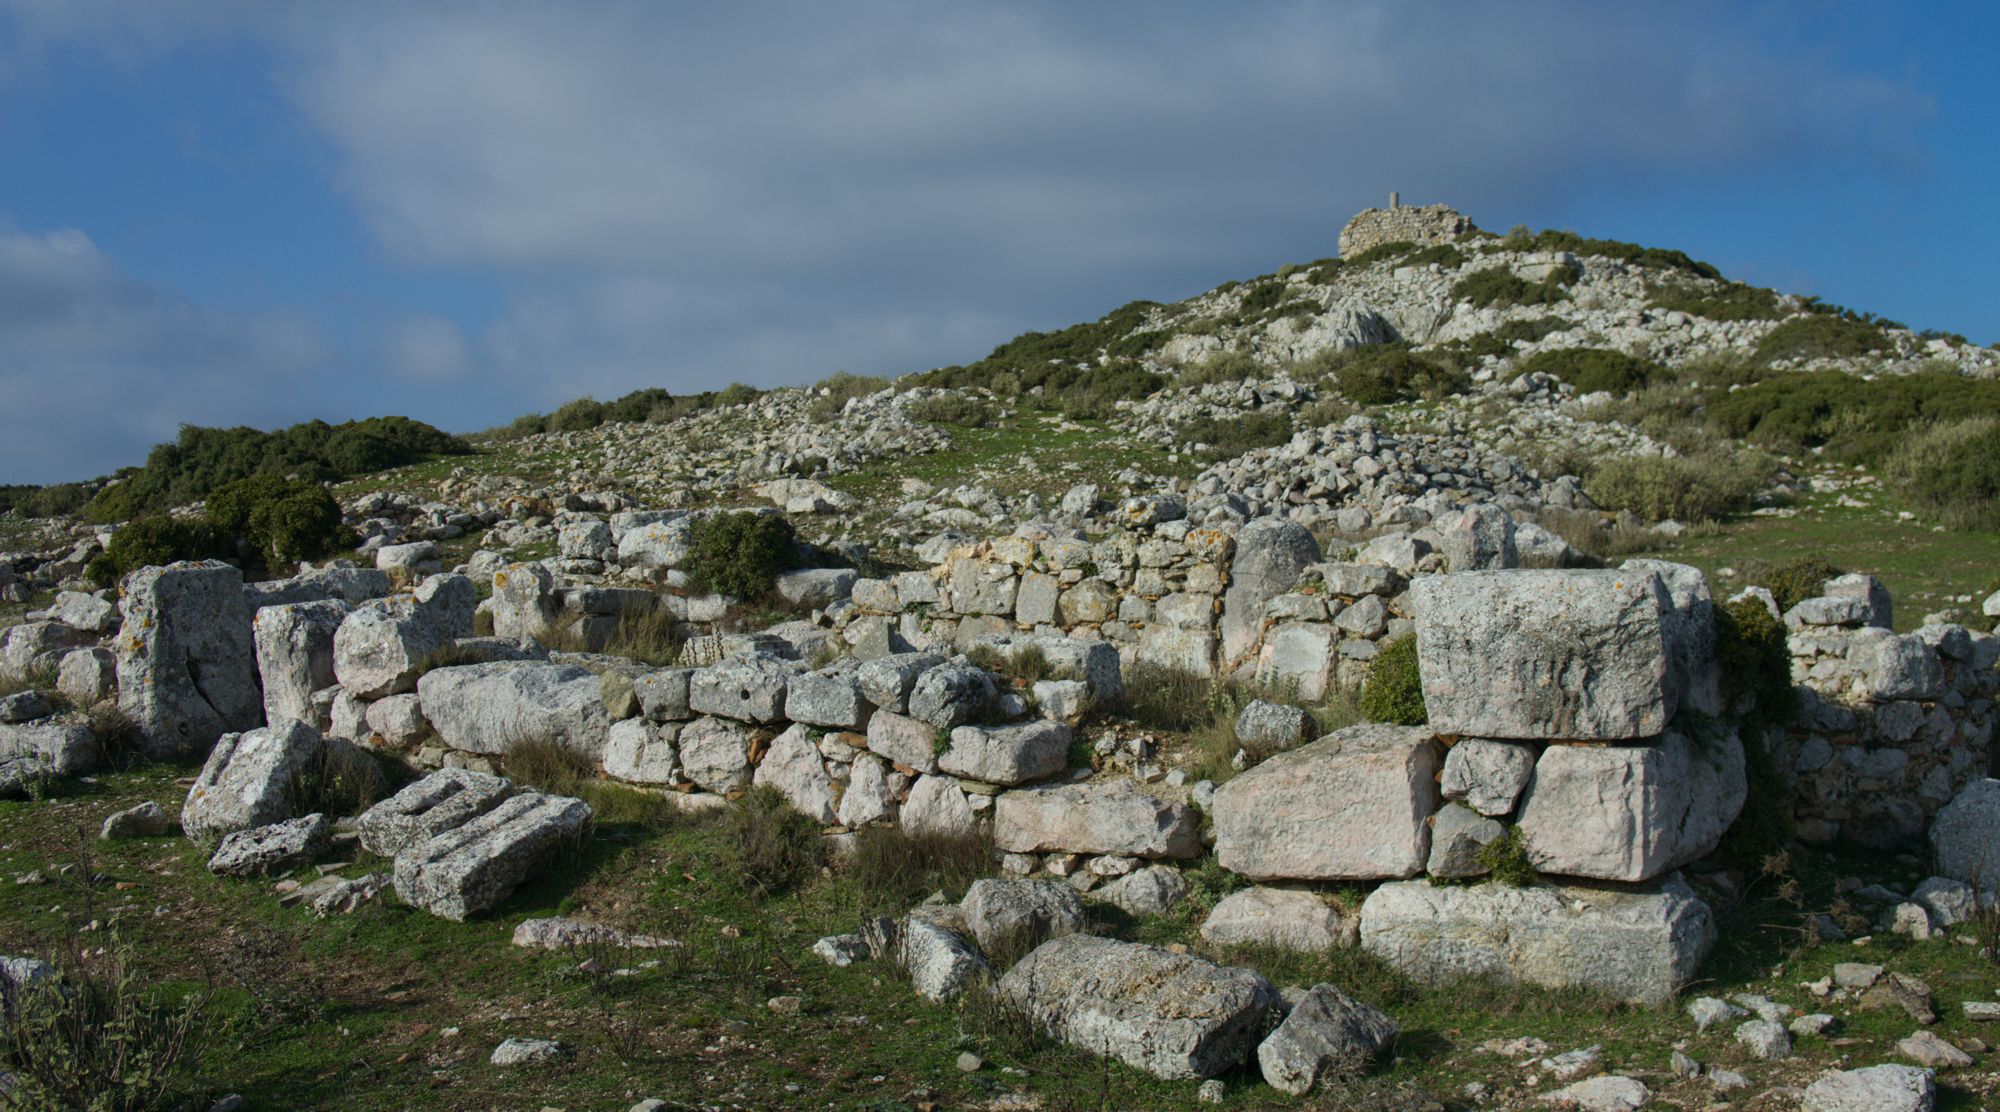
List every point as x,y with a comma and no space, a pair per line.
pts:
227,212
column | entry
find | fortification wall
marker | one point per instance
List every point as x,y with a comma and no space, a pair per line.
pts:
1424,224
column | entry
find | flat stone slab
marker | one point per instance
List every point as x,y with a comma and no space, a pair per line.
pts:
444,800
1173,1015
1557,654
1280,917
1117,818
1633,946
470,869
269,849
1350,806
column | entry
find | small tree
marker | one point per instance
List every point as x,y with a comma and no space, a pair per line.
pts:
739,553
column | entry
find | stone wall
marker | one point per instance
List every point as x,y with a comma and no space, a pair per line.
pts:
1424,224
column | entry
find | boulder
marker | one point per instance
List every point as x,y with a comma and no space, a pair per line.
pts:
1690,632
1350,806
951,694
84,612
444,800
472,867
32,648
1007,755
715,754
1965,836
262,850
1265,728
1487,775
869,796
1630,813
1011,917
338,580
1638,946
524,605
1479,539
88,676
32,752
939,962
794,769
398,721
816,588
640,751
937,808
1880,608
1117,818
663,695
909,742
253,779
295,655
1270,554
1326,1032
491,708
656,544
146,820
1280,917
820,699
24,706
407,561
748,689
886,680
384,645
1458,835
1892,1088
1153,890
187,664
1558,654
1173,1015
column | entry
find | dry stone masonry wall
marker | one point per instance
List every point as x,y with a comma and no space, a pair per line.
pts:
1424,224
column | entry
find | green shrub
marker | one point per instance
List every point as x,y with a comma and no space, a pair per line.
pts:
1953,470
769,846
204,460
739,554
1821,336
1854,419
155,539
1383,252
577,416
1703,487
95,1038
1593,369
1506,859
963,410
1162,698
1223,366
284,520
1652,258
1501,288
1756,663
840,388
1394,689
1732,301
1228,437
1443,254
1384,374
1795,581
55,500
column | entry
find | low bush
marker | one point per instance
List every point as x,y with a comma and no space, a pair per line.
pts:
1162,698
834,392
1223,366
1821,336
279,521
1952,469
55,500
1704,487
1394,690
1382,252
892,870
1794,581
962,410
1756,667
1500,288
1653,258
1851,418
1383,374
768,845
1506,859
1228,437
95,1038
1591,370
739,554
1732,301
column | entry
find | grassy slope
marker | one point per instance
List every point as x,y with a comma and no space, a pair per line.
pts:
352,1012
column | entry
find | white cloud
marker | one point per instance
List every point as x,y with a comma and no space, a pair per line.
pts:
428,348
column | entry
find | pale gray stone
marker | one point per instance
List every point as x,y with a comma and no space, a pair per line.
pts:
472,867
85,612
868,797
1011,917
1265,728
31,648
1153,890
715,754
1891,1088
1690,633
383,646
43,749
1965,836
1557,654
816,588
491,708
294,645
1639,946
562,933
187,665
937,808
24,706
524,604
146,820
1896,667
338,580
268,849
794,769
1007,755
442,801
1479,539
748,689
1458,834
1285,918
951,694
939,962
1350,806
1487,775
1880,607
1764,1039
252,779
398,720
663,695
657,544
1630,813
640,751
1327,1030
825,700
1173,1015
1117,817
1950,902
886,680
1607,1092
88,676
525,1052
1270,554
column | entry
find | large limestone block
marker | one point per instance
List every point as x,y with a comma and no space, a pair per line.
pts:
1326,1032
886,680
715,754
937,808
252,779
268,849
1638,946
1889,1088
382,647
748,689
1007,755
1011,917
939,962
337,580
822,699
1488,775
491,708
32,751
444,800
909,742
472,867
1570,654
1270,554
1480,539
1630,813
1350,806
793,768
812,588
295,655
1965,836
187,663
34,647
524,604
1691,634
951,694
1118,818
1281,917
640,751
658,544
1184,650
1173,1015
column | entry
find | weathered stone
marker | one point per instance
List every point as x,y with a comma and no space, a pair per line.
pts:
825,700
1007,755
1117,818
472,867
1173,1015
1630,813
1764,1039
524,604
525,1052
1184,650
1479,539
640,751
951,694
561,933
146,820
868,797
886,680
1690,633
1267,728
88,676
663,695
398,720
274,848
1950,902
1349,806
1298,659
1326,1031
338,580
1090,602
1926,1048
715,754
1889,1088
384,645
186,657
295,655
1572,654
1608,1092
657,544
24,706
748,689
1280,917
815,588
939,962
33,752
444,800
1488,775
793,767
407,561
1895,667
937,808
491,708
1637,946
1965,836
1270,554
252,779
1458,834
1153,890
32,648
907,741
1011,917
